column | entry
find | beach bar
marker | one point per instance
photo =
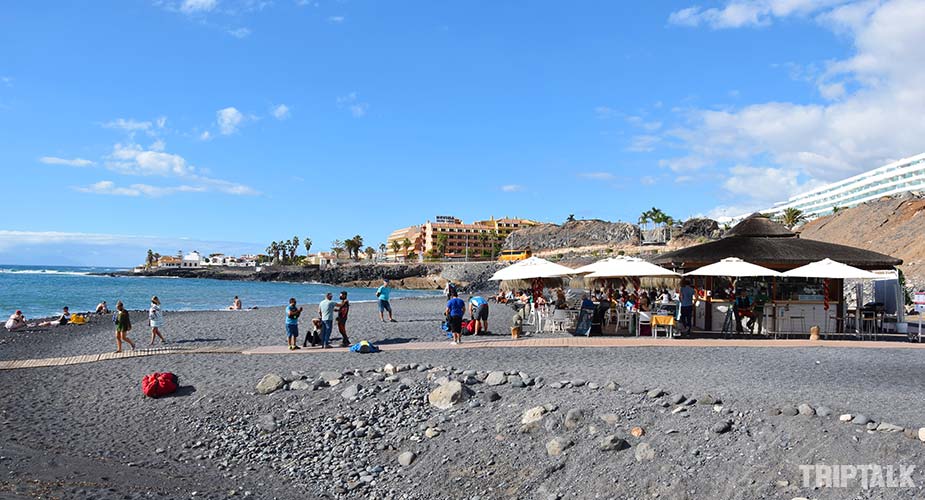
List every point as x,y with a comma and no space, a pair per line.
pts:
793,304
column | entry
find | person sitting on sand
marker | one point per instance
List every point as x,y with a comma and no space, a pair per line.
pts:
236,305
101,308
123,326
156,318
314,336
60,320
16,321
501,298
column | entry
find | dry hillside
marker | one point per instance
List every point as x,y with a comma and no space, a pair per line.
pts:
892,225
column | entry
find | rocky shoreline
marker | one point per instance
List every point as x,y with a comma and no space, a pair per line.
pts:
417,276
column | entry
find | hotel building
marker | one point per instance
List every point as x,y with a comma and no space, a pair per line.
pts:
898,177
459,240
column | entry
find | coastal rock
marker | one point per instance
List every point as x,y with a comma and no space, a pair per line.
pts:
823,411
789,411
860,419
708,399
885,427
677,399
491,396
721,427
447,395
656,393
557,445
496,378
270,383
330,377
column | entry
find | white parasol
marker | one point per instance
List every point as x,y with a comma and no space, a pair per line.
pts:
828,268
531,268
733,267
624,267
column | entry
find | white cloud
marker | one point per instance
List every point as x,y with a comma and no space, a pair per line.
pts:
647,180
598,176
874,116
350,101
643,143
280,112
161,121
336,19
158,145
197,6
512,188
605,112
71,162
205,135
129,125
739,13
135,190
239,32
7,81
229,119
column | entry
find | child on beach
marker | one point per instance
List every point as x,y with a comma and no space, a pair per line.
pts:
343,310
16,321
292,324
123,326
156,318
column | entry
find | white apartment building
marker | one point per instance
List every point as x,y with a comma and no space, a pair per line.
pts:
898,177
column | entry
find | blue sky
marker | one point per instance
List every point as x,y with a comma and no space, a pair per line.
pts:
222,125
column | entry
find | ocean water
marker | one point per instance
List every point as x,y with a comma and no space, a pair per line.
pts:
41,291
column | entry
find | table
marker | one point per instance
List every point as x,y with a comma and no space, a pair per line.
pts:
661,320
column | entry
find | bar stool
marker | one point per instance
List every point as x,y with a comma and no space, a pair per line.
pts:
868,324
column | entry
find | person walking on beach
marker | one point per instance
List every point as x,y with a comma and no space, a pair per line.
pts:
449,290
687,305
478,309
156,318
455,308
292,324
326,310
123,326
383,294
343,309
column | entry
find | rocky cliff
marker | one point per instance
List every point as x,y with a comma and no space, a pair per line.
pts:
575,235
892,225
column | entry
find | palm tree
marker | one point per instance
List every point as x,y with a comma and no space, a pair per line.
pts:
307,242
295,247
406,244
382,248
791,217
337,247
570,218
396,246
149,260
350,245
370,251
644,218
357,246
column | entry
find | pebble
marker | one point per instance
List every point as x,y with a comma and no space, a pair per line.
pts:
789,411
573,418
885,427
707,399
612,442
644,452
578,382
300,385
845,417
922,434
638,431
721,427
860,419
351,392
612,386
532,415
593,386
610,418
655,393
491,396
557,445
432,432
823,411
677,399
270,383
447,395
406,458
806,410
556,385
496,378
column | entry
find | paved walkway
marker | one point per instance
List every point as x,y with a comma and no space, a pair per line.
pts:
469,343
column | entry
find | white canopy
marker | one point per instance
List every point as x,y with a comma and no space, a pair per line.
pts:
733,267
828,268
531,268
623,266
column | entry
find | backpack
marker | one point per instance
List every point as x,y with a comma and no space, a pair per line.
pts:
364,347
159,384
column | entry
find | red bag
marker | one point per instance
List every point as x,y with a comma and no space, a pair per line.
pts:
159,384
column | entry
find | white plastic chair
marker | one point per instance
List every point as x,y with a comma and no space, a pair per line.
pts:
643,318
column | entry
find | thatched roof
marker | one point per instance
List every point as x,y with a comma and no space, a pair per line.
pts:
764,242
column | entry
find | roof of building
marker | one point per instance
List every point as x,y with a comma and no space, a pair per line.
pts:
761,241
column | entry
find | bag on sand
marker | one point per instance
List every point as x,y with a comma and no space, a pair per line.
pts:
364,347
159,384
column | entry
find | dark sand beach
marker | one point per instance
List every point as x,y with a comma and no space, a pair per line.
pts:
86,431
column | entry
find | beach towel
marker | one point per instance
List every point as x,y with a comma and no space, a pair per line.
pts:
364,347
78,319
156,385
